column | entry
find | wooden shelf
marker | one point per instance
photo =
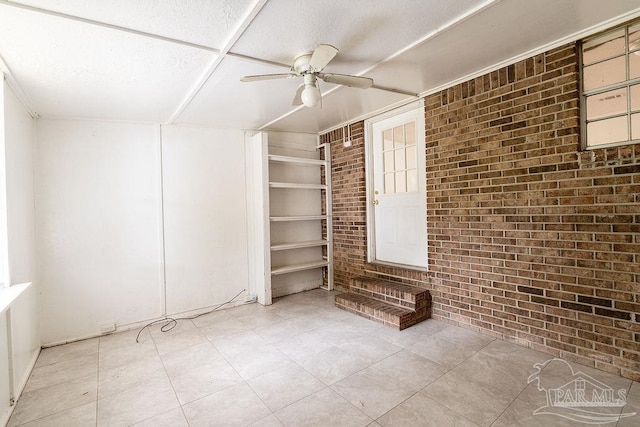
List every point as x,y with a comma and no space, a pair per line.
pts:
296,160
298,267
297,185
297,218
298,245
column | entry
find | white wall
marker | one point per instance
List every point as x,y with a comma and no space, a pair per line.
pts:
98,225
100,229
19,158
205,216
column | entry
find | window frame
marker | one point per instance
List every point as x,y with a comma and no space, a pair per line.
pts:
625,84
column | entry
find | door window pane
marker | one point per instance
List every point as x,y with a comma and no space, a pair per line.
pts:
388,162
410,133
412,161
387,140
398,136
412,181
401,182
400,163
389,183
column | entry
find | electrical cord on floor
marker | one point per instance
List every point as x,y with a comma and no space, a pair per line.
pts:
172,322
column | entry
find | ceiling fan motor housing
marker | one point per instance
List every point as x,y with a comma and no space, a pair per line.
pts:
301,63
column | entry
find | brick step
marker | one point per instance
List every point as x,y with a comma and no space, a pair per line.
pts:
399,294
380,311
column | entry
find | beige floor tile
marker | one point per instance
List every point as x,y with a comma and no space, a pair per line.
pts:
308,361
81,416
360,324
116,380
137,404
404,338
413,370
514,354
441,351
373,392
261,360
292,310
124,339
338,333
369,348
333,365
178,340
324,408
224,329
182,361
237,405
268,421
123,355
421,411
561,372
212,318
521,414
284,386
57,398
239,344
67,351
464,338
62,370
303,345
259,319
475,401
499,374
203,380
172,418
279,331
631,411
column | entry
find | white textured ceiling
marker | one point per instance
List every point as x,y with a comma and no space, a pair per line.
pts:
180,61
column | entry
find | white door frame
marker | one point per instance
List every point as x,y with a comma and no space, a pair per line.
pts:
368,138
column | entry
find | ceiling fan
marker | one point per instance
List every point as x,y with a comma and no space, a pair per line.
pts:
309,66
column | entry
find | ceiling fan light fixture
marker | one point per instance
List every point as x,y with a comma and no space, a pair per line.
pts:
310,95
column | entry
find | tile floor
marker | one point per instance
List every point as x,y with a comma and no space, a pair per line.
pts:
299,362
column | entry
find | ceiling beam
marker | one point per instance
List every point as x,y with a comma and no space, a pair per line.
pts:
134,31
248,18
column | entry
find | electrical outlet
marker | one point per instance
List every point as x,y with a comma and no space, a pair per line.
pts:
108,327
347,143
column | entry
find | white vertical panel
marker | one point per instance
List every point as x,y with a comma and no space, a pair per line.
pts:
205,216
19,141
259,252
19,145
98,219
5,393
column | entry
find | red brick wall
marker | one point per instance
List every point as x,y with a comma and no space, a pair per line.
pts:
530,238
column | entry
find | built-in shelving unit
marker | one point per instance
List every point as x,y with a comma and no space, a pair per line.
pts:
293,192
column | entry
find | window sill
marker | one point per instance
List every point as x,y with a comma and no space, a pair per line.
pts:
10,294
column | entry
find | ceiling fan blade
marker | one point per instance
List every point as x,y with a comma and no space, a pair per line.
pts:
323,54
347,80
268,77
297,98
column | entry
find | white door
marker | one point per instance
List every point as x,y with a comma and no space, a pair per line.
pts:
397,188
